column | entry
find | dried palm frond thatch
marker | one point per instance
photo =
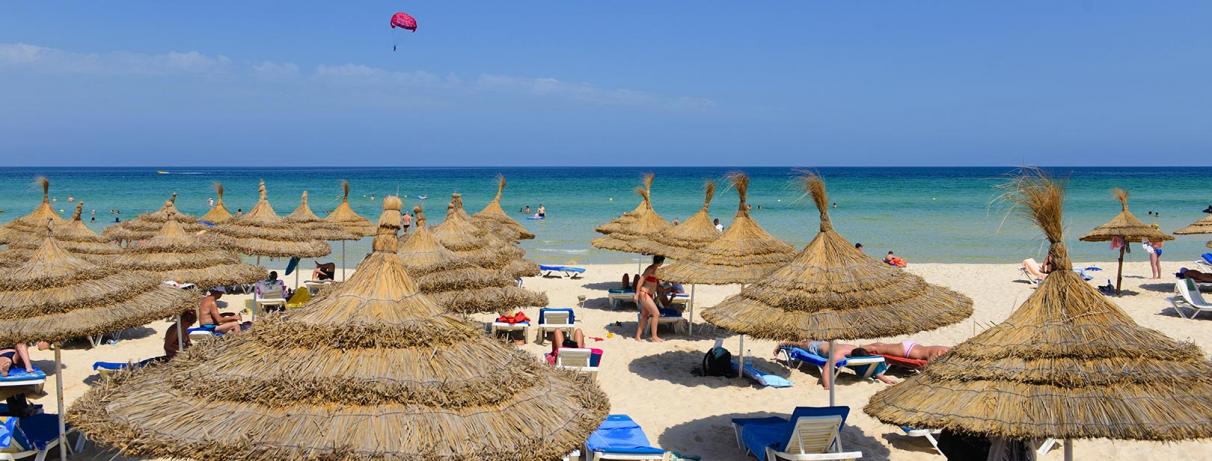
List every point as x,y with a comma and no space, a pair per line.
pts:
832,291
458,234
457,284
630,216
1068,363
33,223
494,219
370,369
680,240
261,232
176,255
73,236
218,213
1202,226
1124,225
345,216
315,227
147,225
744,253
624,237
55,296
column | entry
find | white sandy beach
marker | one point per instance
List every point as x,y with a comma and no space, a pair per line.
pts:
655,383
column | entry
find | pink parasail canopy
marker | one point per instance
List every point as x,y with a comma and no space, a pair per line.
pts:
403,20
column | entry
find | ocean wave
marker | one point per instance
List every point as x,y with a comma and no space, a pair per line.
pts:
563,250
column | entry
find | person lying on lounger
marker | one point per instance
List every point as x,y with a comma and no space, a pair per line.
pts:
1201,277
840,351
908,349
573,340
325,271
1037,270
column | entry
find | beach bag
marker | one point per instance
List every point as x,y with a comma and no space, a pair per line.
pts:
718,362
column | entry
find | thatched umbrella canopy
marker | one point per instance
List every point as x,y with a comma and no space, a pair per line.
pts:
316,227
458,234
1124,226
345,216
147,225
73,236
743,254
1068,363
1203,226
645,224
176,255
456,283
33,223
261,232
630,216
55,296
218,213
832,291
371,369
494,219
685,238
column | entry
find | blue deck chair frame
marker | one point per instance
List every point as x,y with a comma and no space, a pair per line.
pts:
769,436
620,437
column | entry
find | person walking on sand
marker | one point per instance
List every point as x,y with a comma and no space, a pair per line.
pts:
647,289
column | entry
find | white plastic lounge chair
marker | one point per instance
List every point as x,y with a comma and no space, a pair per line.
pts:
34,436
314,286
494,327
552,319
571,272
619,296
619,437
268,295
930,434
575,359
1030,278
810,435
1188,298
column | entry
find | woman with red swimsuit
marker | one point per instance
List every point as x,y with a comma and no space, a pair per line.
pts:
646,291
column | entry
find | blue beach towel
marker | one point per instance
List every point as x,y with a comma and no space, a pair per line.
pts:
762,377
621,434
19,374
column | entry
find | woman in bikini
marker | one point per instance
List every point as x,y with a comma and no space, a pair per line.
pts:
647,288
15,357
908,348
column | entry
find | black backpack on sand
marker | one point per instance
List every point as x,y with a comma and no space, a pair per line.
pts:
718,362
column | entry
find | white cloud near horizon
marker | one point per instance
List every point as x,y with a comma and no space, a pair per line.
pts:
58,61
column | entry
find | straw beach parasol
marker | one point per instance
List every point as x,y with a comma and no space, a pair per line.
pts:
455,283
685,238
629,216
55,296
1124,226
261,232
1068,363
218,213
833,291
176,255
743,254
147,225
73,236
494,219
35,222
371,369
316,227
625,235
1202,226
469,242
345,216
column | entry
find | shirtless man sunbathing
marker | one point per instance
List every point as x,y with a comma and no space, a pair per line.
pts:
210,318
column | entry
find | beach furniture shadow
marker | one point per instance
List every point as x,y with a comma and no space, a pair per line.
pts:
685,368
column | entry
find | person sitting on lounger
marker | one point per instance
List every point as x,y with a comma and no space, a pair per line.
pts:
325,271
573,340
908,349
840,351
1200,277
170,336
1037,270
15,357
211,319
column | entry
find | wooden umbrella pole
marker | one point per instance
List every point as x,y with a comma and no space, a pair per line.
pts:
59,400
690,325
740,370
342,260
1068,450
1119,273
829,369
180,339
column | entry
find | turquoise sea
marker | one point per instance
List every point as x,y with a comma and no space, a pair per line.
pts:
924,214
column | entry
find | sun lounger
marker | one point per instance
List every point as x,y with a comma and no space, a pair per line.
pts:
863,367
106,368
268,295
616,296
1188,297
577,359
810,434
1205,260
914,365
931,436
18,377
201,334
494,327
554,318
619,437
571,272
763,377
34,436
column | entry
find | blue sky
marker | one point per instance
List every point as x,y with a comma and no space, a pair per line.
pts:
606,83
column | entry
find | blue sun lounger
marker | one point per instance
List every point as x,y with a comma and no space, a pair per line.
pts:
864,367
18,377
619,437
571,271
106,368
33,436
810,434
